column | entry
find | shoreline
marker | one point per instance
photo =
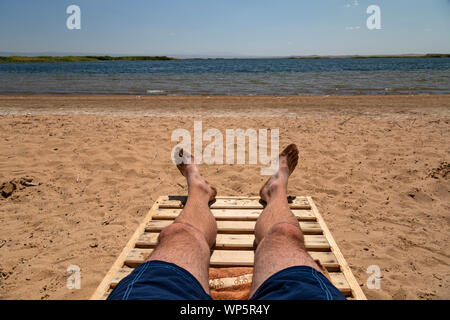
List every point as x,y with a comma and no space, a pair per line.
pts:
226,105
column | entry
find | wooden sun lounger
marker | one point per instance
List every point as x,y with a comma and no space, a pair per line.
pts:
236,218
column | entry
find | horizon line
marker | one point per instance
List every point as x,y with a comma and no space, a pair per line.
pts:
212,56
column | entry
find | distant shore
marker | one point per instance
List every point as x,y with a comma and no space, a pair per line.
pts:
24,59
30,59
428,55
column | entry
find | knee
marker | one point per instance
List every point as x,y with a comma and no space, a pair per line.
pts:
182,231
286,232
176,229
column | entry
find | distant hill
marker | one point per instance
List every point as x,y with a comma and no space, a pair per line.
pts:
69,58
23,59
429,55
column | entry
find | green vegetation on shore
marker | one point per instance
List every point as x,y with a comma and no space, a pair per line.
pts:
80,58
429,55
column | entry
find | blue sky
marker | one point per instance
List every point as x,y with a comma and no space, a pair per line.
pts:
225,27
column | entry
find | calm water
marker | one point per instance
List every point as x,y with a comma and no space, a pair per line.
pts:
231,76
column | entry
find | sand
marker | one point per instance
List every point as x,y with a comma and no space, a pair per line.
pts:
88,168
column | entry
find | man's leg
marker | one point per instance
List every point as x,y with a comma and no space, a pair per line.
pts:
188,240
279,240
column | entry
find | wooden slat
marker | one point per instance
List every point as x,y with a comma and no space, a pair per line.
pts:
339,281
137,257
228,258
233,203
237,241
232,258
122,273
308,227
233,214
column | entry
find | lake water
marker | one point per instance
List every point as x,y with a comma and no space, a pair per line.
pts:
231,77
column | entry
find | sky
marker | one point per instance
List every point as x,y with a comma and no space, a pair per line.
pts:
225,28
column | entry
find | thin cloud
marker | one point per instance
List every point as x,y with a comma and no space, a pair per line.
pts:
352,28
353,4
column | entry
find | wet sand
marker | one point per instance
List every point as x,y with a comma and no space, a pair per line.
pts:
88,168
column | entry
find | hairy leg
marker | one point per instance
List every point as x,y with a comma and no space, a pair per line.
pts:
188,240
279,240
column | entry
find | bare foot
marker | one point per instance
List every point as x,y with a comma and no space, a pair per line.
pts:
287,162
193,176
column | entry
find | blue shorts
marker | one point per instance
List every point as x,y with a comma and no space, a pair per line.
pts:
159,280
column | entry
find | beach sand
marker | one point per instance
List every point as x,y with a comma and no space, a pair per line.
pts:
376,166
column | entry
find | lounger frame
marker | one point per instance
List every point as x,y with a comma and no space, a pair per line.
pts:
236,217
